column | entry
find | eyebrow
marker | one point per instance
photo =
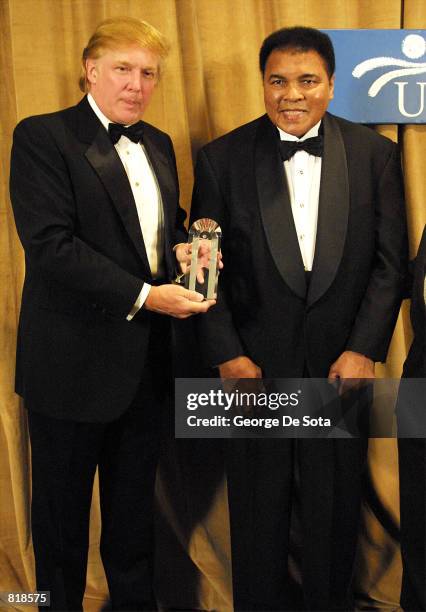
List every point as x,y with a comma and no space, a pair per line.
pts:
302,76
130,65
123,63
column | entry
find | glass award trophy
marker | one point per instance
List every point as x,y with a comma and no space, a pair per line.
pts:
204,233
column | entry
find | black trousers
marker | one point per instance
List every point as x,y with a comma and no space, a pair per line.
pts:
260,492
65,455
412,476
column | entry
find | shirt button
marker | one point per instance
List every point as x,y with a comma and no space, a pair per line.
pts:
302,205
301,236
300,171
137,184
127,152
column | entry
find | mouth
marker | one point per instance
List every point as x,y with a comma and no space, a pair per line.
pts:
132,103
293,114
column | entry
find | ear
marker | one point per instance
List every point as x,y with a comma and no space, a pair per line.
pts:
91,71
332,87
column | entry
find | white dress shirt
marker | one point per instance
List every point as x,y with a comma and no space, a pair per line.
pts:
303,172
146,193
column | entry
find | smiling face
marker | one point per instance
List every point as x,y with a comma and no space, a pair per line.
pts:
296,89
122,82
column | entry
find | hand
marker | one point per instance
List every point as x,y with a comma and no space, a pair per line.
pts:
183,252
176,301
351,368
239,367
242,374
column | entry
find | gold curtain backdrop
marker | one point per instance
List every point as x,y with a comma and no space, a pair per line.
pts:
210,85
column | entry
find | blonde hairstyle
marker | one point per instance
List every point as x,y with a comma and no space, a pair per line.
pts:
117,32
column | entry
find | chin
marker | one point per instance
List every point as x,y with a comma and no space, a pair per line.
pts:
294,131
127,117
134,118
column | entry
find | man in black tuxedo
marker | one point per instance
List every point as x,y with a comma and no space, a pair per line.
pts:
412,451
97,210
314,244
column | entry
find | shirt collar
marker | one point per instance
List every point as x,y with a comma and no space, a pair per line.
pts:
104,120
310,134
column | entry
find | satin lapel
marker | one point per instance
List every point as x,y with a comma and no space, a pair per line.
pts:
275,208
333,211
167,184
105,160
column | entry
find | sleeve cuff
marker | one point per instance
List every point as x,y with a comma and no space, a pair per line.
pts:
140,301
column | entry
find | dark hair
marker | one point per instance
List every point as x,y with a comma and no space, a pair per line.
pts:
299,38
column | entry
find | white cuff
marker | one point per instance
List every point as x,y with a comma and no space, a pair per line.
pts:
140,301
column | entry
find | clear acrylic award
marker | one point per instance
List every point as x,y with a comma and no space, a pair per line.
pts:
204,233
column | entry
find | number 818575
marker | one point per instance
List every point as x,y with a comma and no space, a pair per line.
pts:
37,598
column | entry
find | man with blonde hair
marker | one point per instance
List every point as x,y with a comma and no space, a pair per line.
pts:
96,202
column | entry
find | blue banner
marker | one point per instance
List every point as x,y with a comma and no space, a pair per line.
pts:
380,75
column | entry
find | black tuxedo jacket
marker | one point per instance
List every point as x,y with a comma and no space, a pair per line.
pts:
78,357
265,309
415,364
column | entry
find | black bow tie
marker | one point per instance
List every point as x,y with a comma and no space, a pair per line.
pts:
134,132
313,146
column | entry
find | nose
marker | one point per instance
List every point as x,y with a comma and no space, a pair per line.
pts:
135,83
293,92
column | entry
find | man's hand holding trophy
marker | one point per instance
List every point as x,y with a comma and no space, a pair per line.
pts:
200,259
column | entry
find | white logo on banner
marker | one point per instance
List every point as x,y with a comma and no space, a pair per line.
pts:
413,46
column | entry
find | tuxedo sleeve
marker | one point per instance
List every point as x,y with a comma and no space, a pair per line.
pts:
46,220
218,337
376,318
180,233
